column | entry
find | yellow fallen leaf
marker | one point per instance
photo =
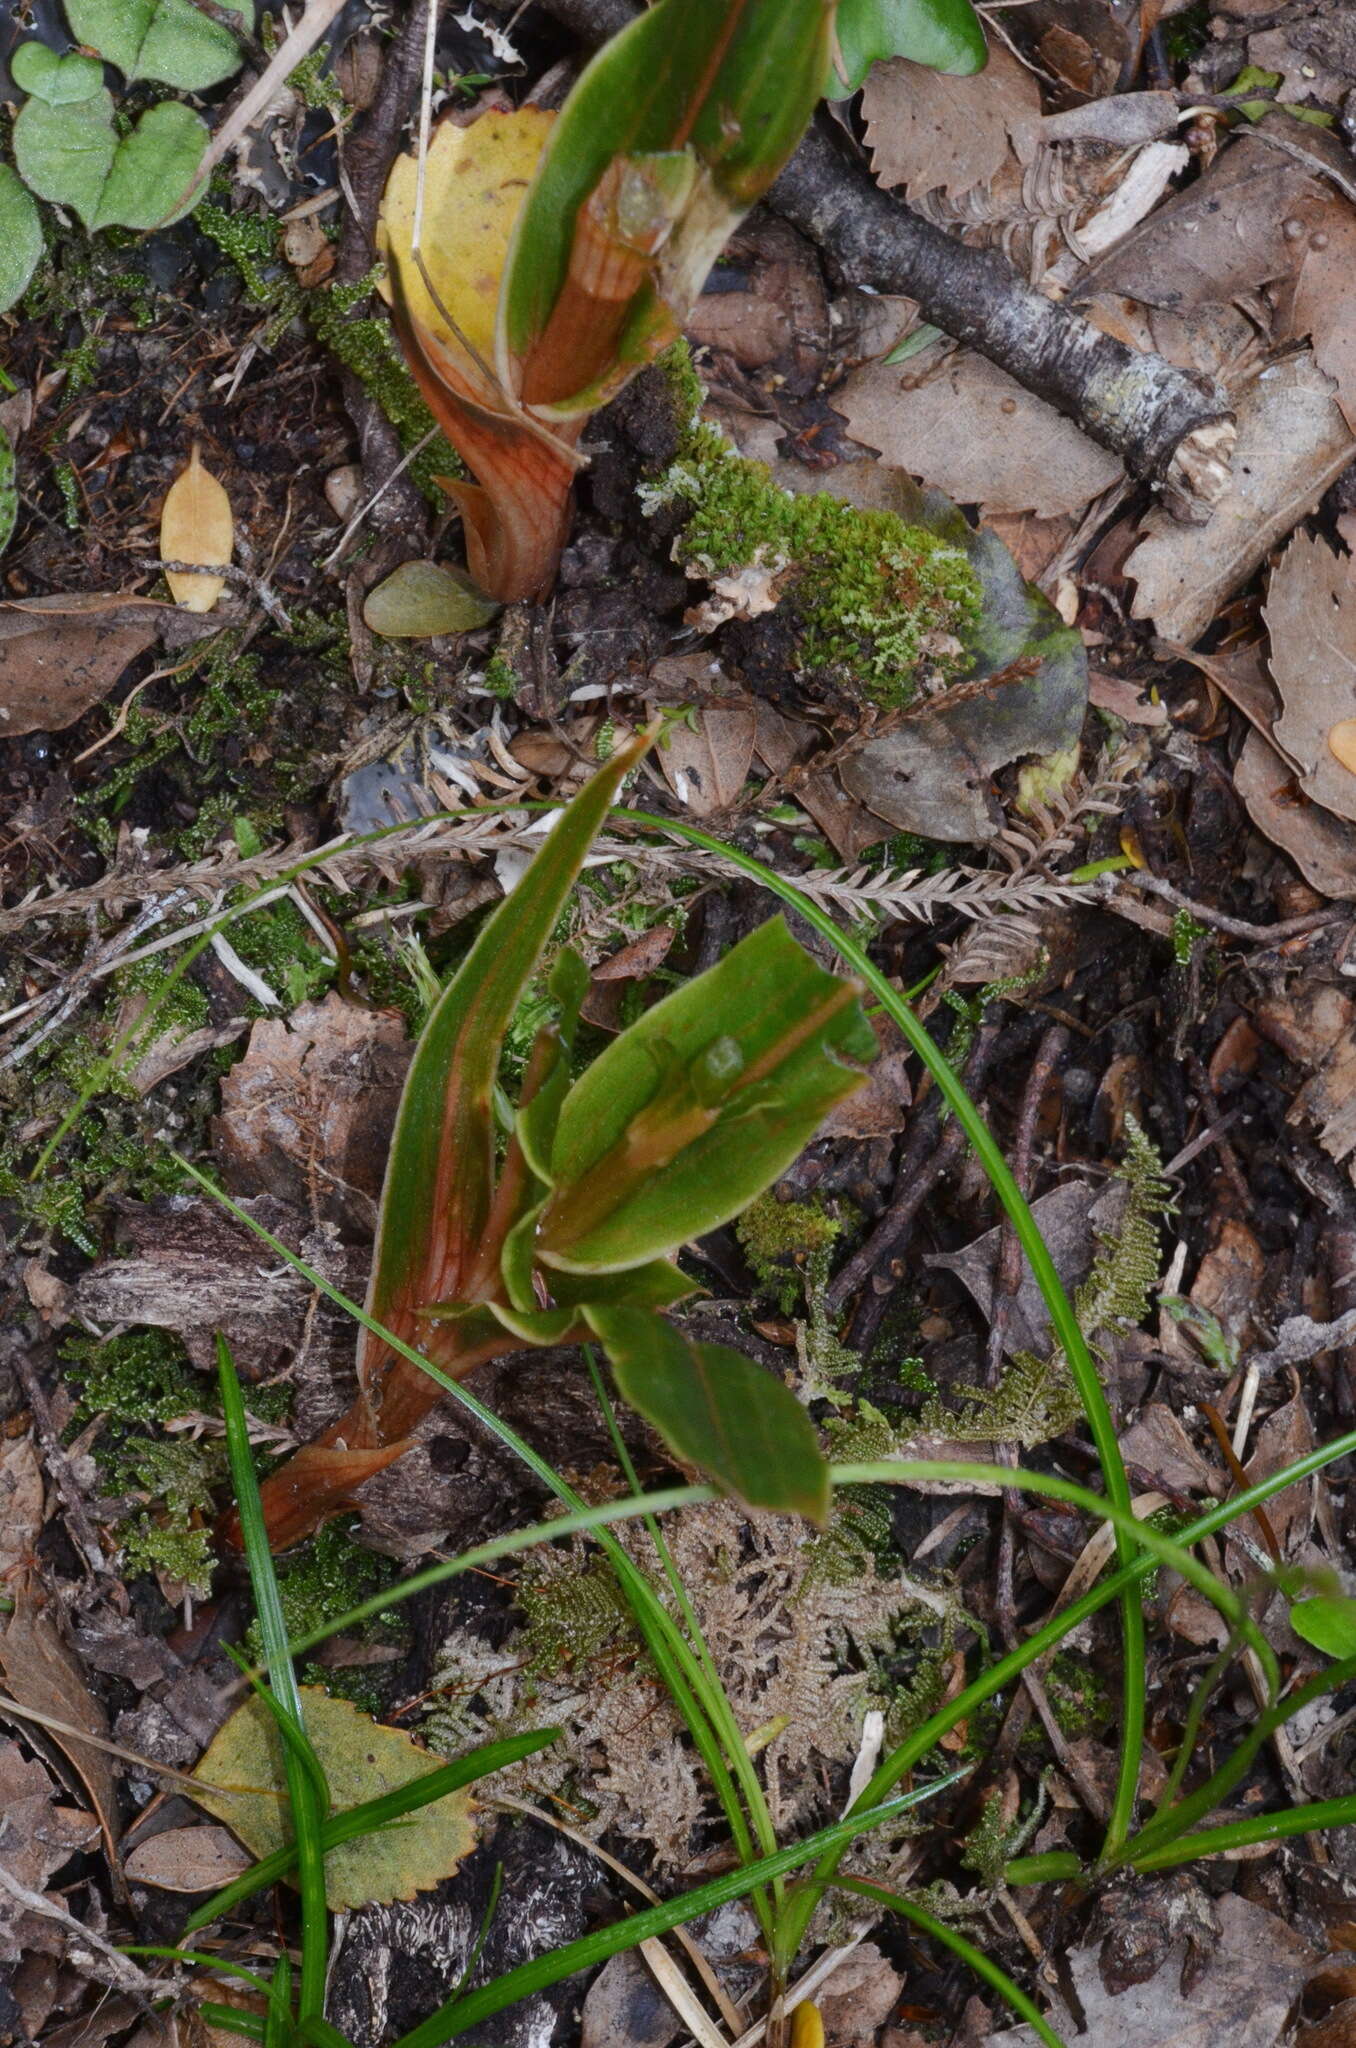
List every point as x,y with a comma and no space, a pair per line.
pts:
475,182
1342,743
196,526
807,2028
361,1761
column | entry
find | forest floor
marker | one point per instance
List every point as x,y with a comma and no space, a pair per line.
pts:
1122,898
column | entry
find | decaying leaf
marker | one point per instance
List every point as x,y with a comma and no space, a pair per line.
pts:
21,1495
929,132
60,655
41,1673
1292,442
196,526
186,1860
37,1835
976,434
1311,613
706,760
419,600
307,1114
361,1761
1324,305
1241,1999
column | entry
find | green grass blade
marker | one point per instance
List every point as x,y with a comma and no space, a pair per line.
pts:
1241,1834
307,1816
1063,1320
202,1960
231,2020
965,1951
278,2018
321,2034
360,1820
674,1660
450,2021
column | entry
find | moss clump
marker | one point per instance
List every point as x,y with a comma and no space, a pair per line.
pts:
366,346
319,1583
142,1377
875,599
779,1240
170,1532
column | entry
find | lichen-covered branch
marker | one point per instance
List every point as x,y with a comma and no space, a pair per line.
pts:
1166,426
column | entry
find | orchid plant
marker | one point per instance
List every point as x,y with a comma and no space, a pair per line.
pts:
536,261
569,1236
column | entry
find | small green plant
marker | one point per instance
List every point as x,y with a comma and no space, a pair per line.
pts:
595,229
674,1129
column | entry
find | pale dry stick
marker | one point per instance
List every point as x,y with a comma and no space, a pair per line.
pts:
375,499
637,1884
127,1756
315,20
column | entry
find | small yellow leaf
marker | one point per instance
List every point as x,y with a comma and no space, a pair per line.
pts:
807,2028
361,1760
196,526
1342,743
475,182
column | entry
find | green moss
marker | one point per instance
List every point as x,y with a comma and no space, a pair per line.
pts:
68,483
318,1583
873,598
81,364
1082,1704
171,1530
778,1239
142,1377
366,346
499,678
279,943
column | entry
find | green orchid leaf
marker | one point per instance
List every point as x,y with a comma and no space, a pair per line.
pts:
169,40
700,1105
21,248
440,1178
1328,1621
60,81
671,133
946,35
73,155
481,1325
719,1411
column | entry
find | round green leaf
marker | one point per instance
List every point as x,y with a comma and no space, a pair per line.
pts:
20,249
943,34
65,154
1328,1621
170,40
72,155
421,599
361,1760
60,81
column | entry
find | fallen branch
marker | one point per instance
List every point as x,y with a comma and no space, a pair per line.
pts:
1167,427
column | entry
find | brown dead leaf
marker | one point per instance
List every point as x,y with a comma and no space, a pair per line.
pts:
42,1674
877,1108
859,1997
1157,1445
37,1835
196,526
604,1005
1285,1436
1124,698
1325,302
1292,443
1315,1025
1069,1220
61,655
1322,847
191,1859
21,1494
1311,613
705,760
785,746
1226,235
931,133
307,1114
1242,1998
975,433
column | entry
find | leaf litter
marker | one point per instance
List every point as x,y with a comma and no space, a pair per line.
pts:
1114,173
